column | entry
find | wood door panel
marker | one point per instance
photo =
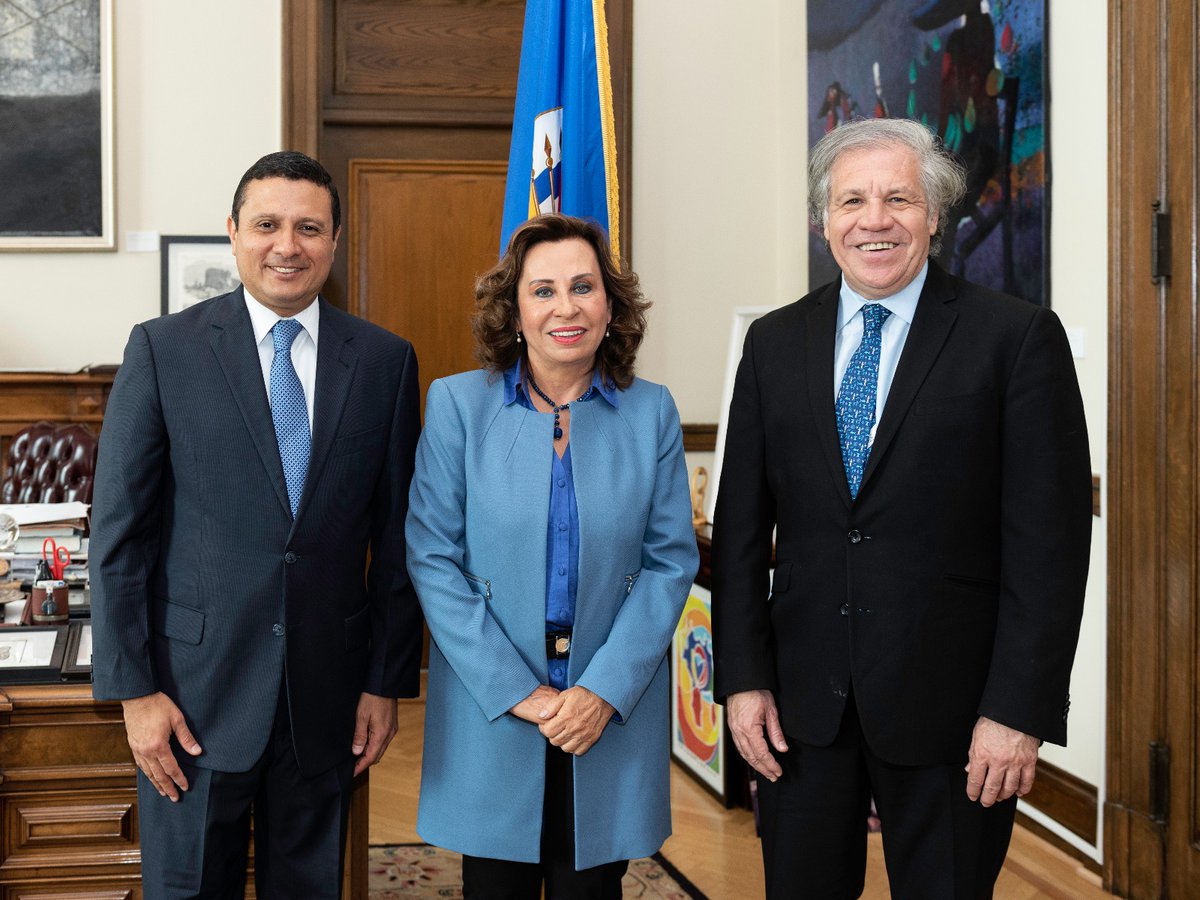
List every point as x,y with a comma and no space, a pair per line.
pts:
1152,810
422,232
430,48
405,146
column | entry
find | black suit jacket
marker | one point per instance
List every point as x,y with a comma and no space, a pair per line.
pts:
203,587
953,586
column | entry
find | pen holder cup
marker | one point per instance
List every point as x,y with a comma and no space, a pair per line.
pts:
48,604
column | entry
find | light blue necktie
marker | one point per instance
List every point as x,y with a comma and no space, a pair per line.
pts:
856,397
289,411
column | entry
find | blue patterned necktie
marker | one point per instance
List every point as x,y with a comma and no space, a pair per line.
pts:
289,411
856,398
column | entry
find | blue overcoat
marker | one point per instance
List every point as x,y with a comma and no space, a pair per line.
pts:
477,554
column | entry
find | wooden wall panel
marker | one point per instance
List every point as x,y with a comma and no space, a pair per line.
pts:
422,232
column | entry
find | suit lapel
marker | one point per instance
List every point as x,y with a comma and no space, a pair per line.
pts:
820,332
232,339
336,361
931,326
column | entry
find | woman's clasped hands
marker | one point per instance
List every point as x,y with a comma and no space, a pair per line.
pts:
571,720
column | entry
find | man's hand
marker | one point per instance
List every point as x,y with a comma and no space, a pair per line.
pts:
530,709
749,714
374,728
1001,762
574,720
149,723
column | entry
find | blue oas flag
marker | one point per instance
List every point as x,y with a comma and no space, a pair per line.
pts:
564,150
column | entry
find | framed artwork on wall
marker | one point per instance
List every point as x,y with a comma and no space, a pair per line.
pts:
56,115
195,268
697,721
975,72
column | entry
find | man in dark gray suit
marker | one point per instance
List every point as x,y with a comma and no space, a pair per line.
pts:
255,447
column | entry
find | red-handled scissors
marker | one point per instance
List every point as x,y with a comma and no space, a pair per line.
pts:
56,557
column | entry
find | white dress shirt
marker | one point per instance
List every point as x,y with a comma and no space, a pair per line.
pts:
903,306
304,347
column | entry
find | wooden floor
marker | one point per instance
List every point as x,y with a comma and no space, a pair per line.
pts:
717,848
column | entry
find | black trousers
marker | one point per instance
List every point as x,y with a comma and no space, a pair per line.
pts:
502,879
198,846
937,844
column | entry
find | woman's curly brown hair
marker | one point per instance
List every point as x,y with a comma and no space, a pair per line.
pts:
497,317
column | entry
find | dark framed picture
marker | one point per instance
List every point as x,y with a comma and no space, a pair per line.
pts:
56,158
194,268
698,730
32,655
77,658
976,75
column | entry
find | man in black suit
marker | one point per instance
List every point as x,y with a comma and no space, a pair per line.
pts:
917,445
257,664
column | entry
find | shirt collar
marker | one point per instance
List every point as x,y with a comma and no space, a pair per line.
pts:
903,303
514,387
262,319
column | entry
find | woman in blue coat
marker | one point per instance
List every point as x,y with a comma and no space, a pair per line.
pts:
551,544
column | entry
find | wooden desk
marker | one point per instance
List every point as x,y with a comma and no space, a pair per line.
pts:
68,802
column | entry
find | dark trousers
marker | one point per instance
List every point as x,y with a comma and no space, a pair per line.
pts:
502,879
937,844
198,846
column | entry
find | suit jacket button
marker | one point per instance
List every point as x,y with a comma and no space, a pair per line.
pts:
845,609
855,537
289,557
277,630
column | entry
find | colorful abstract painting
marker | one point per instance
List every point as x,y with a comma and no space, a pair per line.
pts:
697,721
974,72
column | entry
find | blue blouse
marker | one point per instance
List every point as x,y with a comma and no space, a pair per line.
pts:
562,523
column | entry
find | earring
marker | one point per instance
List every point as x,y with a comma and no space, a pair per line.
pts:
518,337
607,332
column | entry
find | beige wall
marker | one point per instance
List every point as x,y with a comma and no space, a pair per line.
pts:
198,93
718,222
718,195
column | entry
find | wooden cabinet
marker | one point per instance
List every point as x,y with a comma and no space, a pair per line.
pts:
68,806
68,802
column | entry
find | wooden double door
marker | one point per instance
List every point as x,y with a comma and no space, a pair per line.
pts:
409,104
1152,811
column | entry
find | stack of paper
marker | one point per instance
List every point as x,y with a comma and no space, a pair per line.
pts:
65,523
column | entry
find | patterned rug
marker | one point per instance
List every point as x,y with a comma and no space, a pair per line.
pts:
406,871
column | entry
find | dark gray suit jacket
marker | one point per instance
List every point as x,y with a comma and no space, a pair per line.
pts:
202,585
953,586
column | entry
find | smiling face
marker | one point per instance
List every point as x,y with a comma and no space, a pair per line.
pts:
878,222
563,309
284,242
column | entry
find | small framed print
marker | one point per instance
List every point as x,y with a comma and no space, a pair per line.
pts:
32,655
195,268
77,659
697,720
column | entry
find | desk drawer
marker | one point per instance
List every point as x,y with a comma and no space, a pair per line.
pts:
68,829
75,889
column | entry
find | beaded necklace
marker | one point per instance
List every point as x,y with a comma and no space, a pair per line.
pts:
558,432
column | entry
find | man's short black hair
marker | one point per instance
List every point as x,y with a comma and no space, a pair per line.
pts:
293,166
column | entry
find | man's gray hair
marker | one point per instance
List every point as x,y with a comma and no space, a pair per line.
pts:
942,176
